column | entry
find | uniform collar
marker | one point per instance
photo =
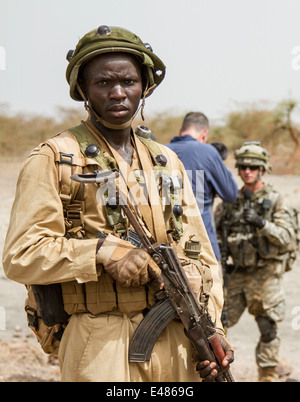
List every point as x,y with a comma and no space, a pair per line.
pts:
267,188
183,138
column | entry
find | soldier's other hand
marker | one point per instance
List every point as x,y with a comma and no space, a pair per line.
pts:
207,370
136,268
252,217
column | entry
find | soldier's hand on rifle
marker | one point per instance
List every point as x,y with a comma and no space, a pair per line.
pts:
126,264
207,370
252,217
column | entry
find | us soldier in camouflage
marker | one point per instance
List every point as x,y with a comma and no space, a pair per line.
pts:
258,230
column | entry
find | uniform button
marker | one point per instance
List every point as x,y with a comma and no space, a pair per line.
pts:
161,160
177,210
85,276
92,151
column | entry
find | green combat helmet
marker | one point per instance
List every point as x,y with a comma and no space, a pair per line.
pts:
113,39
253,154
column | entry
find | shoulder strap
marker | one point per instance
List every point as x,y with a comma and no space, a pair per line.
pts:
85,139
166,174
69,160
115,217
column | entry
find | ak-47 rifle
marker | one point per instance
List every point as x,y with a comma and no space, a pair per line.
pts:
176,299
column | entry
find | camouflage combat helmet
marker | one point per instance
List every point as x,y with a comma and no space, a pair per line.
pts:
252,154
113,39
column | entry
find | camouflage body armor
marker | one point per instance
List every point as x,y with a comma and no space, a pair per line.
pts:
248,246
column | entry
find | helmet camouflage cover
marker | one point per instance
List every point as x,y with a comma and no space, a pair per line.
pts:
113,39
252,154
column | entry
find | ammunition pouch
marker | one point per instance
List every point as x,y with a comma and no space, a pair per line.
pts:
241,249
50,303
106,295
48,336
267,250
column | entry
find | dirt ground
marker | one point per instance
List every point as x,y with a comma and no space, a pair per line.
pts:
21,359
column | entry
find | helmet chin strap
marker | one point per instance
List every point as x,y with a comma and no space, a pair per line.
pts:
106,123
259,176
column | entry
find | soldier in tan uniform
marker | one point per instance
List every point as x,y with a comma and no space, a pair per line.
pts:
258,229
62,233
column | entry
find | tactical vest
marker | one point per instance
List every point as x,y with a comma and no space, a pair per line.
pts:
106,294
246,245
116,219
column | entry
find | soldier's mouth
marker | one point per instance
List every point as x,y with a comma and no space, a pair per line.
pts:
118,110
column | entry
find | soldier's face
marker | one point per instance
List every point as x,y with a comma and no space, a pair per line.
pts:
113,86
249,174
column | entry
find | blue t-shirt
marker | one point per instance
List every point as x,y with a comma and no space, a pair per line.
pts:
208,176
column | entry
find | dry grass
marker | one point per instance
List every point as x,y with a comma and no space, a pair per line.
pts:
19,133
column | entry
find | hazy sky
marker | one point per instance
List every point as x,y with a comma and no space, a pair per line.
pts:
217,52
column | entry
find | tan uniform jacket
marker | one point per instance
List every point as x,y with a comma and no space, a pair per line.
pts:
36,250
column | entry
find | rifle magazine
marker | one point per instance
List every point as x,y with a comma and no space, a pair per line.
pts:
149,329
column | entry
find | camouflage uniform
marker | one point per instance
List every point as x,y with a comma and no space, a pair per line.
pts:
256,260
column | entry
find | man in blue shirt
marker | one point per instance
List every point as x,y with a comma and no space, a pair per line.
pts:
206,170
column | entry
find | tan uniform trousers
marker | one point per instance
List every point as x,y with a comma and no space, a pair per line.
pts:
95,349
